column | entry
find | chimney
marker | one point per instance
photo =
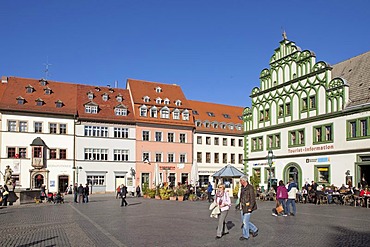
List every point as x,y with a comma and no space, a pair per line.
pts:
4,79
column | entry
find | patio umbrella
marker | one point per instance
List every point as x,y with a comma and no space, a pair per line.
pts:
156,175
194,174
228,171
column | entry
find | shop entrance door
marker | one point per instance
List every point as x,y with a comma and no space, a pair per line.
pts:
63,183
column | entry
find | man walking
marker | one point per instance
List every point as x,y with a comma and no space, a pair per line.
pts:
209,192
80,191
247,203
75,192
123,195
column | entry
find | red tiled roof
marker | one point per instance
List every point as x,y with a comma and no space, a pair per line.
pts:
106,108
140,89
218,111
16,87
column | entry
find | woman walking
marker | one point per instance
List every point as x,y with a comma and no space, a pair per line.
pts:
223,200
282,195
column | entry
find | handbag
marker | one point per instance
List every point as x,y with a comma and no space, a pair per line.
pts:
213,205
279,207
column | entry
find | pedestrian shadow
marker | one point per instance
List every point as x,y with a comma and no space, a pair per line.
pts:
230,225
37,242
135,203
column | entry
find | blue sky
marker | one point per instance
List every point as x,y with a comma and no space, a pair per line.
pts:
215,50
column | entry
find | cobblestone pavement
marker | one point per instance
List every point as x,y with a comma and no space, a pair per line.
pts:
150,222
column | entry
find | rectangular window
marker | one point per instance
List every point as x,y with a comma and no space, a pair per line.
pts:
120,155
217,158
53,128
363,127
232,142
22,153
182,138
208,140
62,129
240,141
22,126
296,138
170,157
53,154
170,137
232,158
38,127
146,156
257,143
224,141
262,116
96,154
182,158
304,104
240,158
322,174
199,140
96,180
11,152
62,154
208,157
323,134
96,131
224,158
273,141
199,157
217,141
281,111
145,135
287,109
158,157
120,133
312,103
158,136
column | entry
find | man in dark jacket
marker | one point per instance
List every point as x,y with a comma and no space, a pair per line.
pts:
123,195
247,203
80,191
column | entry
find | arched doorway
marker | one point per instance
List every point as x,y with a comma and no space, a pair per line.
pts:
293,170
38,181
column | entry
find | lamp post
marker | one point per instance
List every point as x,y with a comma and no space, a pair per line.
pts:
77,168
270,156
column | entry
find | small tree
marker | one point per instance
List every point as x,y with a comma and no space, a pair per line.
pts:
255,181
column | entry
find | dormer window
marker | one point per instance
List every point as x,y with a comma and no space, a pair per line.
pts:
166,101
47,91
198,123
97,89
206,124
58,104
223,126
158,100
43,82
240,117
226,115
238,127
158,89
120,110
211,114
92,109
143,111
90,95
153,112
195,112
105,97
119,98
29,89
146,99
231,126
20,100
111,90
185,115
176,114
215,125
165,113
178,103
39,102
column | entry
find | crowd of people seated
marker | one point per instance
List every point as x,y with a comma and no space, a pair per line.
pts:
320,194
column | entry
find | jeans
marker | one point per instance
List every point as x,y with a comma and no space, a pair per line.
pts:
291,201
247,225
282,202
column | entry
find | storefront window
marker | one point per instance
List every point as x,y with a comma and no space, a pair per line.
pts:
322,174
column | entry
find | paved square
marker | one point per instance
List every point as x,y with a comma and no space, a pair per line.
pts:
150,222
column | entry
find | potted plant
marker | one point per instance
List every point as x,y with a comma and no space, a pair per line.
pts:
236,190
180,191
192,197
164,192
146,190
172,195
151,193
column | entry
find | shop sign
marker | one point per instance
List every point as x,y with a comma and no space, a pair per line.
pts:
52,183
318,160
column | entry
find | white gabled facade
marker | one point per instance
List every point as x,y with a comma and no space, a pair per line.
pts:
312,116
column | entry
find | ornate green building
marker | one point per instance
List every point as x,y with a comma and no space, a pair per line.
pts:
313,117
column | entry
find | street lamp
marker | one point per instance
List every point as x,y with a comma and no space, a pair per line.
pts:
270,156
77,168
